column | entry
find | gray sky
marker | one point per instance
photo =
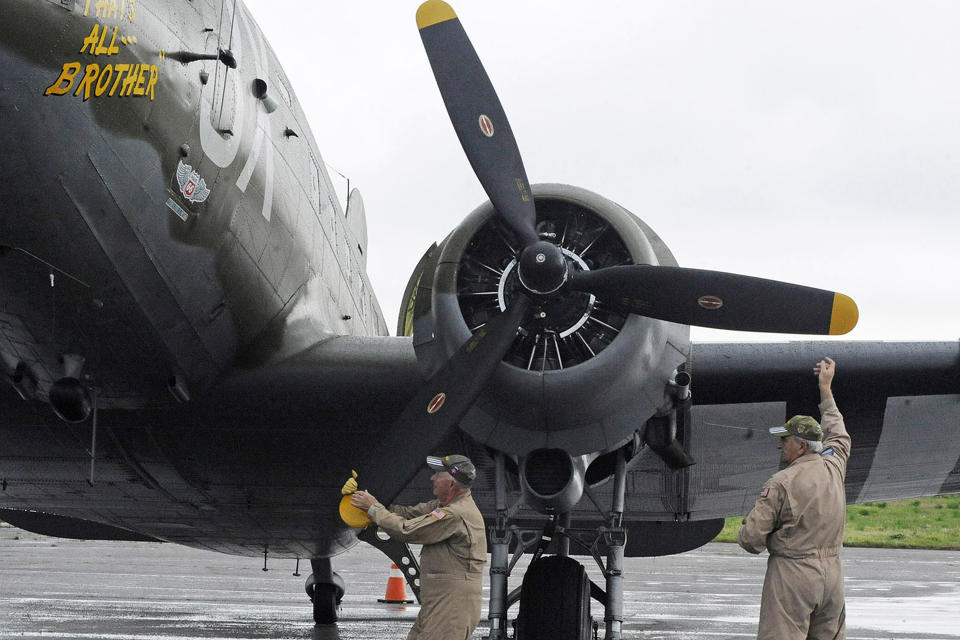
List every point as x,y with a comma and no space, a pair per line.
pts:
816,143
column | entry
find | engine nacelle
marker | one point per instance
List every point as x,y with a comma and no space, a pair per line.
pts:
580,376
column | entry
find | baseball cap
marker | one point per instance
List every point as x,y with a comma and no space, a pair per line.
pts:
801,426
457,466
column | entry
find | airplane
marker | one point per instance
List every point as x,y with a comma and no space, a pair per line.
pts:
193,353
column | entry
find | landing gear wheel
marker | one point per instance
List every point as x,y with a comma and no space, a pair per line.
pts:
555,601
326,609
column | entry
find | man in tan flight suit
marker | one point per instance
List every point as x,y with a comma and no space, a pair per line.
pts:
799,517
454,541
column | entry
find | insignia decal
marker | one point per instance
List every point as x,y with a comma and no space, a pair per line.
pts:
710,302
827,452
764,492
192,186
438,513
437,402
486,125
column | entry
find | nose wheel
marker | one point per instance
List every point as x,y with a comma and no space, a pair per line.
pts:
556,592
326,607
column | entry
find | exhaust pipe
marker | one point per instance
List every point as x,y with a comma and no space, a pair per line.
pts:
661,436
661,432
70,398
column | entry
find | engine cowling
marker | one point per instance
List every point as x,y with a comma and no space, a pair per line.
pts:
580,376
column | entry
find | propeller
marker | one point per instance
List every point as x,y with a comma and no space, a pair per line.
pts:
436,409
688,296
719,300
478,117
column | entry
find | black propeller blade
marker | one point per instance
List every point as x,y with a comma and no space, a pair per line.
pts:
435,411
477,116
719,300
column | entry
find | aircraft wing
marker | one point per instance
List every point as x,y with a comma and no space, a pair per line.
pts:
900,402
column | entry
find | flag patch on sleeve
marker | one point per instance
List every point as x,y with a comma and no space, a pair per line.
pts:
438,513
764,492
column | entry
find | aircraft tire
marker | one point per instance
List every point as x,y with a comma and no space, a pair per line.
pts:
555,601
326,609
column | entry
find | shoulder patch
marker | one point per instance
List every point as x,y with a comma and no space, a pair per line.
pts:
827,452
438,513
764,492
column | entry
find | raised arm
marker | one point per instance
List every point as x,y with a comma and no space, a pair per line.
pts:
835,434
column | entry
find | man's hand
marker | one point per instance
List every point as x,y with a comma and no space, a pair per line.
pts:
824,370
362,500
350,485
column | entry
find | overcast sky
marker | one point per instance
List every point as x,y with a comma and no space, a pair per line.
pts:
815,142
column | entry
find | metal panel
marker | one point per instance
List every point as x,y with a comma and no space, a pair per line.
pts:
917,450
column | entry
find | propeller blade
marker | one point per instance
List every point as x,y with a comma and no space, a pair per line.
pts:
435,411
477,117
720,300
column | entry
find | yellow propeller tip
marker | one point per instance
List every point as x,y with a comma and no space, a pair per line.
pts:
844,316
433,11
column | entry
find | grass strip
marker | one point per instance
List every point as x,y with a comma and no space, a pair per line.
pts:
917,523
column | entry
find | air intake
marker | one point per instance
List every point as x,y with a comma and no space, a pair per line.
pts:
548,471
552,480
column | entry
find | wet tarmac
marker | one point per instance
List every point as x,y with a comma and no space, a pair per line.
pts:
55,588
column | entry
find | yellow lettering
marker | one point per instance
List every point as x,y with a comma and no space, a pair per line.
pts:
67,75
120,69
91,40
112,48
93,70
86,9
105,74
141,78
112,10
100,48
129,81
132,10
153,80
101,6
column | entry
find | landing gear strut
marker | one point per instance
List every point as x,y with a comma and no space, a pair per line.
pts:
325,588
556,592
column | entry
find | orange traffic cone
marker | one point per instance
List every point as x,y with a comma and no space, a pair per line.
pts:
396,588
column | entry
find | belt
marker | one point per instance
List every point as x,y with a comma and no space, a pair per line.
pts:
823,552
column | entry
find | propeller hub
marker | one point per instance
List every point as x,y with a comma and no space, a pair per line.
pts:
542,268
